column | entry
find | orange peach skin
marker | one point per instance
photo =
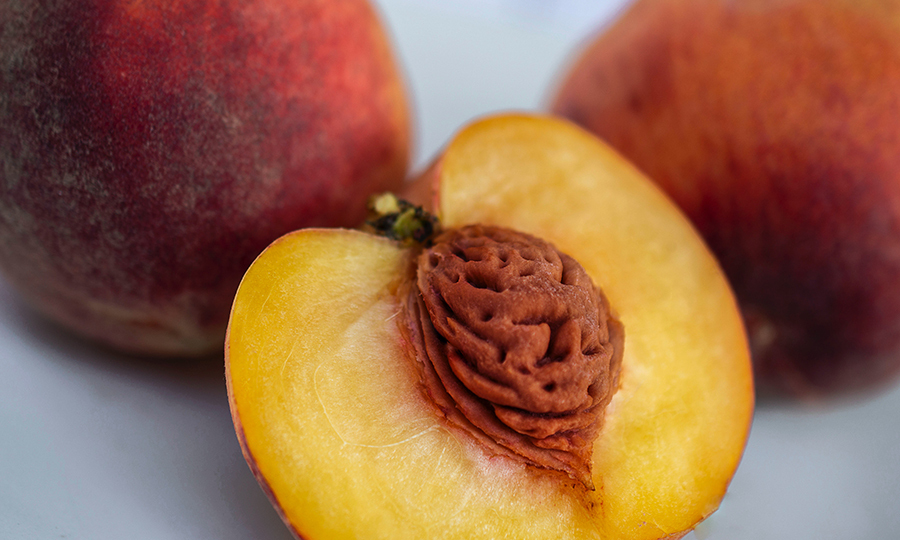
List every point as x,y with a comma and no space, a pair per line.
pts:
152,149
325,399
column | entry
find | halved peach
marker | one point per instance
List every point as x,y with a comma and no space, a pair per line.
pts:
329,402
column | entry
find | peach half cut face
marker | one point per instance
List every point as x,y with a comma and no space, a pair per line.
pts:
348,437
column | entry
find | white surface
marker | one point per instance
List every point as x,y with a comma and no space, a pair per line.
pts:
97,446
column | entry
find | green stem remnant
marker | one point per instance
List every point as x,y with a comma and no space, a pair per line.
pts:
401,220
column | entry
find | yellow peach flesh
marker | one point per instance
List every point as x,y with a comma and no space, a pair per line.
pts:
327,403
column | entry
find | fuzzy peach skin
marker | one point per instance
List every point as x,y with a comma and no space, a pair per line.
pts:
151,149
775,125
329,409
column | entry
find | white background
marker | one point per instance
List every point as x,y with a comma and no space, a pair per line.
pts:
97,446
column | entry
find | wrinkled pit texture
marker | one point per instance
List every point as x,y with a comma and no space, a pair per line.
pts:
519,346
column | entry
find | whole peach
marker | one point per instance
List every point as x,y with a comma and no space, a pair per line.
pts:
151,149
775,124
